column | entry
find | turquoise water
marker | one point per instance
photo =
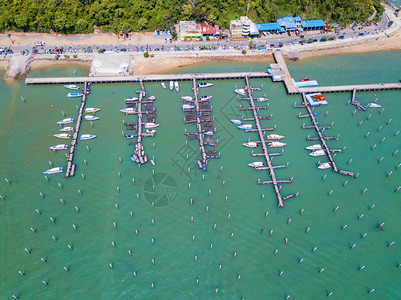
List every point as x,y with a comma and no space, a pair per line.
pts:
26,133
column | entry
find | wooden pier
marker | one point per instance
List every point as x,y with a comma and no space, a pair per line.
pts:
70,165
353,102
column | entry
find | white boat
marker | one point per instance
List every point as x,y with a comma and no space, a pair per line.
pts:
373,105
314,147
171,85
74,95
240,92
66,121
163,85
91,110
274,137
236,122
261,99
323,166
72,87
129,136
85,137
176,86
151,131
65,136
187,106
187,98
204,84
151,98
54,170
204,98
276,144
317,153
151,125
250,145
128,110
256,164
91,118
59,147
209,132
65,129
245,126
130,98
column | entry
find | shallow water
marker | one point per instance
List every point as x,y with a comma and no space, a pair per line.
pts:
26,133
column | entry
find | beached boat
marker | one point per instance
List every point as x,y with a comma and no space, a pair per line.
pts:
323,166
91,118
74,95
276,144
236,122
187,106
128,110
320,152
163,85
261,99
176,86
65,129
151,125
256,164
204,84
240,92
65,136
250,145
59,147
85,137
245,126
171,85
373,105
204,98
91,110
187,98
66,121
274,137
314,147
54,170
72,87
130,99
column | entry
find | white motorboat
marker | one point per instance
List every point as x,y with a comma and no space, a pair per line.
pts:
256,164
131,98
240,92
187,98
91,110
236,122
373,105
204,84
128,110
204,98
74,95
274,137
320,152
176,86
250,145
91,118
72,87
59,147
209,133
245,126
163,85
314,147
276,144
187,106
65,136
54,170
151,125
151,131
151,98
261,99
85,137
129,136
66,129
171,85
66,121
323,166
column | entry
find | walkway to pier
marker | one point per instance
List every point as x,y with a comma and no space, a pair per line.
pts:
70,165
199,125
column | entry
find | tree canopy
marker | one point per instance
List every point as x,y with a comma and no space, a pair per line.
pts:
80,16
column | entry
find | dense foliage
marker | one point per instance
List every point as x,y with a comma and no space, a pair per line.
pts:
80,16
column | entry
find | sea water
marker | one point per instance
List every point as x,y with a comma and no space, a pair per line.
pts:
224,244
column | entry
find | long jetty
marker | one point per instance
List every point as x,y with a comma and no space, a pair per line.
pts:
70,165
199,126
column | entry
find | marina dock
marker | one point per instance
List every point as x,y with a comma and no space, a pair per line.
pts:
199,126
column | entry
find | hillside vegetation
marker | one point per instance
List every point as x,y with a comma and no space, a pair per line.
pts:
79,16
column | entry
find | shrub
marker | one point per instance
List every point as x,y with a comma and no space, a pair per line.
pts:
152,55
66,56
75,56
146,54
57,56
243,51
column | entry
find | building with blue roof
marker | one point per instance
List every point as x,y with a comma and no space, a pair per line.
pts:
313,25
269,27
288,24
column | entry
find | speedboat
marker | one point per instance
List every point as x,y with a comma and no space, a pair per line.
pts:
250,145
205,98
66,121
85,137
151,125
163,85
274,137
304,79
151,131
128,110
373,105
151,98
323,166
171,85
59,147
204,84
129,136
54,170
245,126
74,95
187,98
176,86
130,98
65,129
320,152
236,122
276,144
314,147
187,106
240,92
209,133
65,136
256,164
91,118
91,110
72,87
261,99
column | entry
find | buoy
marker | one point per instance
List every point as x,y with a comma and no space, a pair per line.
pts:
70,247
275,252
352,247
361,268
336,208
364,191
389,245
113,244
